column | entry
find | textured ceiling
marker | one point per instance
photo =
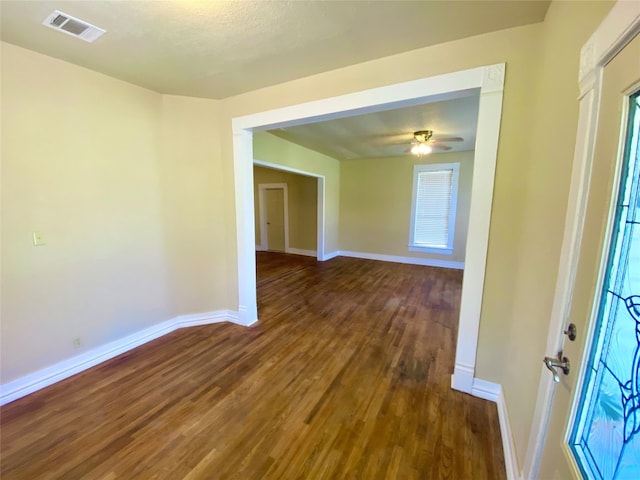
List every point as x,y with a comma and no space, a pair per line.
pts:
220,48
389,133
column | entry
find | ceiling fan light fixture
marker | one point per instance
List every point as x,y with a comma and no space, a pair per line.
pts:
420,139
420,149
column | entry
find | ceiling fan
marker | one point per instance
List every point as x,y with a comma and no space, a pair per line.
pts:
423,143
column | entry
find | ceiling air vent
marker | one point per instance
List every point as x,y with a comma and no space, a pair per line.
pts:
73,26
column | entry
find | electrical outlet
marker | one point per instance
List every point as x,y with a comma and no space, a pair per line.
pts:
77,342
38,239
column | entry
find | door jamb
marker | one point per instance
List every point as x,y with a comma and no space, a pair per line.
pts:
262,203
616,30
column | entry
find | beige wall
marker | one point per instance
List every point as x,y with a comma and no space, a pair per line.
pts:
375,204
193,202
79,154
272,149
123,184
546,175
302,192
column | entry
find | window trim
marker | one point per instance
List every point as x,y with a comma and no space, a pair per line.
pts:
430,167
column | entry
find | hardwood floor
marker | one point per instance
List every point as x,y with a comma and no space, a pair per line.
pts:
347,376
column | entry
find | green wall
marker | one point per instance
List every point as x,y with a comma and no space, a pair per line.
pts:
303,205
272,149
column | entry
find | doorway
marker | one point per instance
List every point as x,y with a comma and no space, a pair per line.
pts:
273,207
303,208
488,81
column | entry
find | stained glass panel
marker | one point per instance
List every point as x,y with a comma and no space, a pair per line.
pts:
605,438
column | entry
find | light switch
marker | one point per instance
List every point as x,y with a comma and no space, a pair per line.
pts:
38,239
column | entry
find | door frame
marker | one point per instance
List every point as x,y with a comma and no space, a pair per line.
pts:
262,207
488,82
320,251
614,33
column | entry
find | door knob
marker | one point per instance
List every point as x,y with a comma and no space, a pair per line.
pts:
561,362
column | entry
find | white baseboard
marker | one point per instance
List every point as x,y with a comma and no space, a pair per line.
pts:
241,317
300,251
330,255
487,390
428,262
48,376
493,391
463,378
294,251
508,447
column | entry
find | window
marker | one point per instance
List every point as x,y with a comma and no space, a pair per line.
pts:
433,209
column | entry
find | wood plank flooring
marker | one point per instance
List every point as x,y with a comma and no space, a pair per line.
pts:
347,376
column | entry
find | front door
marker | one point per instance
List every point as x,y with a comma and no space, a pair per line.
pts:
595,432
275,219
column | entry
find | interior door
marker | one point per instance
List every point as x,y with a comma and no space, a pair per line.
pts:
275,219
593,432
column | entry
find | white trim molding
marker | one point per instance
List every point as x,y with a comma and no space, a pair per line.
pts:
330,255
486,152
427,262
245,234
616,30
508,444
487,81
494,393
486,390
462,378
48,376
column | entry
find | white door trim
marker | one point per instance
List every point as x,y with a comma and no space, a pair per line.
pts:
320,253
488,81
262,204
616,30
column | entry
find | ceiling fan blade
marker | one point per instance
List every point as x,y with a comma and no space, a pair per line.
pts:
394,143
440,147
447,139
386,138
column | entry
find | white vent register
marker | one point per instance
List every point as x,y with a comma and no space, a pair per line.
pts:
73,26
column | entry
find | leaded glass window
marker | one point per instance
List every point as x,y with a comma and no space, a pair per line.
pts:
605,438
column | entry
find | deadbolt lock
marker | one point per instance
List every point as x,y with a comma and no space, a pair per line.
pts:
571,331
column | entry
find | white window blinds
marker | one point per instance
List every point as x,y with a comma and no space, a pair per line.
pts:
434,203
